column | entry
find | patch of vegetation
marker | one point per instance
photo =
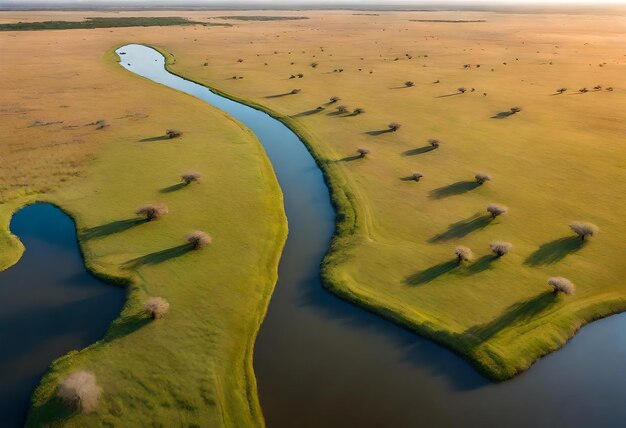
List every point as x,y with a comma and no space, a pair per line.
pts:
104,22
261,18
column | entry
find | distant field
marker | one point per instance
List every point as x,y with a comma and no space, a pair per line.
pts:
453,21
103,22
261,18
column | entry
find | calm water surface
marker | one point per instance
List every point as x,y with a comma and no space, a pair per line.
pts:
321,362
49,305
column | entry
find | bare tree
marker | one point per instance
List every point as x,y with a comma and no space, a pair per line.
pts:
462,90
463,254
495,210
295,91
562,285
515,110
334,99
500,248
417,176
190,177
561,90
597,87
583,229
394,126
482,177
583,90
609,88
157,307
79,391
358,110
409,83
342,109
363,152
173,133
101,124
434,143
313,64
152,211
199,239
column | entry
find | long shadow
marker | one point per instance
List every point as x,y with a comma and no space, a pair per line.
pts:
408,178
126,326
448,95
160,256
350,158
431,273
517,312
173,187
502,115
337,113
418,151
457,188
379,132
462,228
554,251
157,138
111,228
480,265
280,95
308,112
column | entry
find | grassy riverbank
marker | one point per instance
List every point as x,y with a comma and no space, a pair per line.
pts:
195,366
548,162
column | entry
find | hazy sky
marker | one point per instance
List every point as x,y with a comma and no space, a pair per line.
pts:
335,2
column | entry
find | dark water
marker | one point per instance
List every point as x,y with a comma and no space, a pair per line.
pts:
49,305
322,362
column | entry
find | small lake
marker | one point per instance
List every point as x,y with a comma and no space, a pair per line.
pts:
49,305
323,362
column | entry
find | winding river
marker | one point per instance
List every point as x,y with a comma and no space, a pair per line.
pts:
320,361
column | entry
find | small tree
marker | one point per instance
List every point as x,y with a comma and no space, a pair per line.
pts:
495,210
434,143
583,230
334,99
500,248
597,87
173,133
409,83
157,307
342,109
199,239
295,91
583,90
190,177
313,64
417,176
152,211
482,177
79,391
515,110
358,110
561,90
462,90
610,89
101,124
363,152
393,126
463,254
561,285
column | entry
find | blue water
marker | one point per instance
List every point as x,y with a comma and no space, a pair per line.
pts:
49,305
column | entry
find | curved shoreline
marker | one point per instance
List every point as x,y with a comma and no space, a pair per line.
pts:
491,363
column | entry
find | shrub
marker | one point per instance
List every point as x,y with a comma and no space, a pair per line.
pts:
342,109
393,126
190,177
515,110
583,90
152,211
495,210
583,230
417,176
561,90
434,143
562,285
101,124
157,307
462,90
463,254
295,91
240,60
500,248
313,64
300,75
609,88
334,99
79,391
409,83
363,152
482,177
358,110
173,133
199,239
597,87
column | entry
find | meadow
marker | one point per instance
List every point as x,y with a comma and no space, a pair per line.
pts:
557,160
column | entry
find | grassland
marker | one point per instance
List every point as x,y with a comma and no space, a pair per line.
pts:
103,22
394,252
194,367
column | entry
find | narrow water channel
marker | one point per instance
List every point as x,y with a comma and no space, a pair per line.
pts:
49,305
322,362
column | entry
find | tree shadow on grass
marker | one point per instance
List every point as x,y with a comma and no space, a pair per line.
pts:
351,158
418,151
127,325
480,265
308,112
173,187
379,132
160,256
449,95
157,138
554,251
457,188
111,228
462,228
431,273
280,95
518,312
408,178
502,115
